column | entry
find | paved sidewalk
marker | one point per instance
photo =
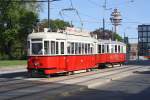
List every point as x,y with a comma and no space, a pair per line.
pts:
13,69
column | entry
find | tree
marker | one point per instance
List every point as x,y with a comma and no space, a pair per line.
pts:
16,22
55,25
27,21
106,34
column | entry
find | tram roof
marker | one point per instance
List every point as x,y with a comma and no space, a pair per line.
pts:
61,36
69,37
111,42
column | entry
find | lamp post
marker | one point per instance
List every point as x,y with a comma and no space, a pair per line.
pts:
115,20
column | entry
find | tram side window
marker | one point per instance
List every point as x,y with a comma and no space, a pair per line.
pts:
103,49
99,48
37,48
115,48
91,48
83,46
123,49
119,49
69,48
76,48
86,48
57,50
72,48
62,47
52,47
46,47
112,48
107,48
79,48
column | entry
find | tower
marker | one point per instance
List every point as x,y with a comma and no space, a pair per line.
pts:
115,20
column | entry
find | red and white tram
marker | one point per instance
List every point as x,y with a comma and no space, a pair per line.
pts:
54,52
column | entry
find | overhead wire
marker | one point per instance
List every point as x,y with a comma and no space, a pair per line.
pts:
72,8
30,1
94,3
78,13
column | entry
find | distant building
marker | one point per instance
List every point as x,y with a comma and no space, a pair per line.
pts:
144,40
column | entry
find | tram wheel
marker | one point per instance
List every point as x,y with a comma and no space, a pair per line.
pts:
48,76
88,70
112,65
29,74
69,73
120,64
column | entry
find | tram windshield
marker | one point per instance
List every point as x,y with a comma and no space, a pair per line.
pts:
37,48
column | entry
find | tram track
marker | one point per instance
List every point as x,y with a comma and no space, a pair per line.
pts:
51,89
103,75
61,78
20,86
17,85
7,80
57,79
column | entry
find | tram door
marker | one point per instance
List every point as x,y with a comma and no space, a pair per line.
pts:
62,57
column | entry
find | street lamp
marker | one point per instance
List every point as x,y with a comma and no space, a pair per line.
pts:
115,20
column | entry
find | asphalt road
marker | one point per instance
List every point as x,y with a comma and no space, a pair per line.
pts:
136,87
17,86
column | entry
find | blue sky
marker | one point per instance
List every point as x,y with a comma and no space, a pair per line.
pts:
134,12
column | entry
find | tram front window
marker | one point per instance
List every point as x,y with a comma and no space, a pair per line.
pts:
37,48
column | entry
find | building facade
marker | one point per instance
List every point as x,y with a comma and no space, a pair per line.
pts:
144,40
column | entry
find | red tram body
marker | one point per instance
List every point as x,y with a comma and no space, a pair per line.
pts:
52,52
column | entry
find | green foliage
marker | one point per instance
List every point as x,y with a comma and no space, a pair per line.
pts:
16,22
55,24
107,34
118,37
12,63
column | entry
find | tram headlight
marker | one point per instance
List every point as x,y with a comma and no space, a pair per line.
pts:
37,64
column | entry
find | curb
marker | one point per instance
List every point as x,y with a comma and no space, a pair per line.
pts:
14,71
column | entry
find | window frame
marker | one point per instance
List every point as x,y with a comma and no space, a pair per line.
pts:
47,48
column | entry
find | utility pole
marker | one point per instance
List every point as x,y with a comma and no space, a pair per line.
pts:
49,15
49,1
103,28
105,8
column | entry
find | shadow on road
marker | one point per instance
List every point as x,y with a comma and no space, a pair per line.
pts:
25,74
93,94
14,75
142,72
138,62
